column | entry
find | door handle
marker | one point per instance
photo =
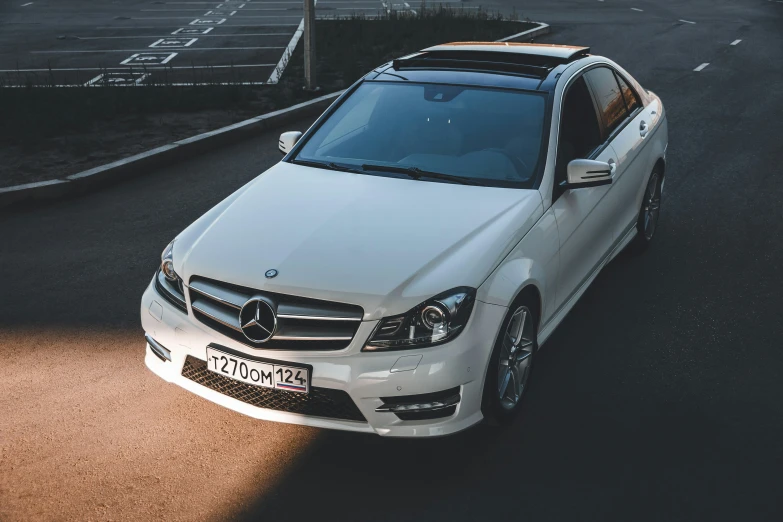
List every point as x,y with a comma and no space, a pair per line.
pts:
643,129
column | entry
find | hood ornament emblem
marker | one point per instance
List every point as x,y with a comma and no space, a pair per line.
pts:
271,273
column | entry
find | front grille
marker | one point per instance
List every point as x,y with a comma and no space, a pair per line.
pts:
320,402
302,323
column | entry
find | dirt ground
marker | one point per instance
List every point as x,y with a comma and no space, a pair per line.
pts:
107,141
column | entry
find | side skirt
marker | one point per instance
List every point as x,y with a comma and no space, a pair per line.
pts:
558,316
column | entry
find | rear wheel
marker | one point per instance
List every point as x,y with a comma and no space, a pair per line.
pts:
511,362
647,223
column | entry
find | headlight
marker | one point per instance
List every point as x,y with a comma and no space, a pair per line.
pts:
167,282
167,263
433,322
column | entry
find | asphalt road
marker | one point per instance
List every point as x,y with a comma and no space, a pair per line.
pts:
75,42
658,398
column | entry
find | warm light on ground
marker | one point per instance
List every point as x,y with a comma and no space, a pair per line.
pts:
88,433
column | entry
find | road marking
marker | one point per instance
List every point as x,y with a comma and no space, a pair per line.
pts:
174,42
277,72
183,30
637,9
256,26
242,35
144,50
199,21
150,58
70,69
701,67
735,42
232,13
174,84
28,3
118,78
686,21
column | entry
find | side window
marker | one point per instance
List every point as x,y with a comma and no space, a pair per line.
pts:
580,132
631,100
608,96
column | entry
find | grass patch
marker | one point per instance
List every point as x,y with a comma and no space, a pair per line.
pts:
37,117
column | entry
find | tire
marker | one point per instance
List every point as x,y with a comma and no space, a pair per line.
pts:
650,211
500,402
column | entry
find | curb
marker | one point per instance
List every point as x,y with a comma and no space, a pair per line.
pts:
161,156
529,34
188,147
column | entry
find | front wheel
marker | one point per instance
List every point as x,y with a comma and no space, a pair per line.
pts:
511,363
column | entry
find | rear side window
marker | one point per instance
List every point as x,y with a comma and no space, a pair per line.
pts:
631,101
608,96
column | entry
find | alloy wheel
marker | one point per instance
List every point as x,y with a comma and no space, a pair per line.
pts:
652,206
516,355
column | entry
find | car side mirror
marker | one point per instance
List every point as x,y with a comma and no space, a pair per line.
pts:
288,140
584,173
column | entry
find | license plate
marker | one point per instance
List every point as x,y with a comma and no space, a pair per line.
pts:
266,374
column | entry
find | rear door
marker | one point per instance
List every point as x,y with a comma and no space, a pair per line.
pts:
625,128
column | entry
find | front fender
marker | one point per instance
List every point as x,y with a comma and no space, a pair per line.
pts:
534,261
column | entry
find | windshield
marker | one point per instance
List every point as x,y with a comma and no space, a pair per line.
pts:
485,136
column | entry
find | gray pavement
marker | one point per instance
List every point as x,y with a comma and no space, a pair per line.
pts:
658,398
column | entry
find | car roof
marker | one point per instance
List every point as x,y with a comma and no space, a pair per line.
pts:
500,64
562,52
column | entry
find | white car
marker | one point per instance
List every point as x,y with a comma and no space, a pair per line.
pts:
396,272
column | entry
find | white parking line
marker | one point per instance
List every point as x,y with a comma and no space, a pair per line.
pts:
701,67
277,72
210,21
71,69
243,35
686,21
152,58
145,50
735,42
115,28
174,42
637,9
201,31
28,3
201,21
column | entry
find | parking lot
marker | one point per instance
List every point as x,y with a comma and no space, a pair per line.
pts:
77,42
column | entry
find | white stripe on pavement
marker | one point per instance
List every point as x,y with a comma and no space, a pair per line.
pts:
701,67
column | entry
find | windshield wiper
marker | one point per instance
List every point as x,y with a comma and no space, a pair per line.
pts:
417,173
328,165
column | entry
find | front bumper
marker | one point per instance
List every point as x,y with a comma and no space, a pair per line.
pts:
364,376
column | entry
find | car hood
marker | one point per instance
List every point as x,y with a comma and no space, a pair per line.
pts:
383,243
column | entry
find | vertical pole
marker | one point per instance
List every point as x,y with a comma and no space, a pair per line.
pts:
309,45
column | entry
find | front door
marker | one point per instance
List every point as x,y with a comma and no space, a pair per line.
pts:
584,222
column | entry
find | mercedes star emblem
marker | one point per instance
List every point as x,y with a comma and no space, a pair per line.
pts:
258,320
271,273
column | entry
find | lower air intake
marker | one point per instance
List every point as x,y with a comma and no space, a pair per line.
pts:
320,402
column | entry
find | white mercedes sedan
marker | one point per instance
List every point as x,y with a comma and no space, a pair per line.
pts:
398,270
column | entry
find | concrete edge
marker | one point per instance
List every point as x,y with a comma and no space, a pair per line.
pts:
168,154
530,33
